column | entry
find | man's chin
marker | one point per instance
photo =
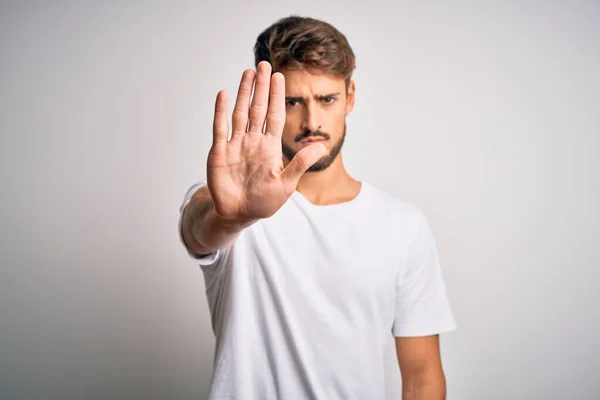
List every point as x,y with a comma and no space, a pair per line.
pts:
322,164
317,167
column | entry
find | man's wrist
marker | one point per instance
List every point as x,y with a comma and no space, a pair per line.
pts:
229,225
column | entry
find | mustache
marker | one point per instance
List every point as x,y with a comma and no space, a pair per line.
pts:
311,134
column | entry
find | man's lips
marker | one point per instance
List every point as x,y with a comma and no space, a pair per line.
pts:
312,140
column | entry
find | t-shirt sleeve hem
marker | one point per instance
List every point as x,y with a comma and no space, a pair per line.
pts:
403,330
206,260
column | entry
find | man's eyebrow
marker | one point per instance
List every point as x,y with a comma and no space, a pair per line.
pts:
317,96
322,96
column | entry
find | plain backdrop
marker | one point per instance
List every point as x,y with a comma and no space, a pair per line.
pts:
483,114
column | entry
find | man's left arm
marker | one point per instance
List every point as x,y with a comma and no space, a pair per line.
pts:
421,368
422,313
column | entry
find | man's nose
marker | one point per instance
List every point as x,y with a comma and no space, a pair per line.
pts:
310,121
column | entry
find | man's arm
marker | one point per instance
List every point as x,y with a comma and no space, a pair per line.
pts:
202,230
421,368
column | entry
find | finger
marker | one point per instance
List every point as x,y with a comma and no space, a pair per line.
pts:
260,99
220,124
240,111
276,111
302,161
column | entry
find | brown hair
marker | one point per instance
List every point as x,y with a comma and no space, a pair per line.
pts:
301,42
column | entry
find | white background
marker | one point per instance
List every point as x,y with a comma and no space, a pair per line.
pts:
484,114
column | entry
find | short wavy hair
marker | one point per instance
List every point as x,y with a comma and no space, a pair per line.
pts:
298,42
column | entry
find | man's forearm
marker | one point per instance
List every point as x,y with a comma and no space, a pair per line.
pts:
203,230
424,386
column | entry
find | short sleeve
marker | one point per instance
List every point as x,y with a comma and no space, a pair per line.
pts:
422,304
205,260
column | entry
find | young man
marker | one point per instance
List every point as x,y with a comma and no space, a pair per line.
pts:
308,270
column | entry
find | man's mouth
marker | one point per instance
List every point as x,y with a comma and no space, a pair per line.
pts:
312,140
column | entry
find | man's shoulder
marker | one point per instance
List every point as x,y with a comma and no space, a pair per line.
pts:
388,202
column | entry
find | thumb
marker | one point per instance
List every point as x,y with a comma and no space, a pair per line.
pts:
302,161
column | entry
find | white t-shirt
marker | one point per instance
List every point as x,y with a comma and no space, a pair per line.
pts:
303,303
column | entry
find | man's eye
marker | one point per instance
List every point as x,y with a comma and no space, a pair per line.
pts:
328,99
291,102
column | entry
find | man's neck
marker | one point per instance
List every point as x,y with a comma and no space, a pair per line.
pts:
330,186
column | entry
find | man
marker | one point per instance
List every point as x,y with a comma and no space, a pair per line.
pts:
307,269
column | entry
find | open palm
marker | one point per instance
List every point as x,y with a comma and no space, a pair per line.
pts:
246,176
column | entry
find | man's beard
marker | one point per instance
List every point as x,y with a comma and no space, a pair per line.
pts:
325,161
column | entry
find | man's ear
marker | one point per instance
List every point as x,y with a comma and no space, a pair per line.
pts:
350,95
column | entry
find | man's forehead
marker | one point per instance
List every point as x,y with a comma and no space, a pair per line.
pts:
305,83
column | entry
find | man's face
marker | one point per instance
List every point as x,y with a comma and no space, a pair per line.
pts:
316,110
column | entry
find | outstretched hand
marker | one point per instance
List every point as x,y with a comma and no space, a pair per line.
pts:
246,176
